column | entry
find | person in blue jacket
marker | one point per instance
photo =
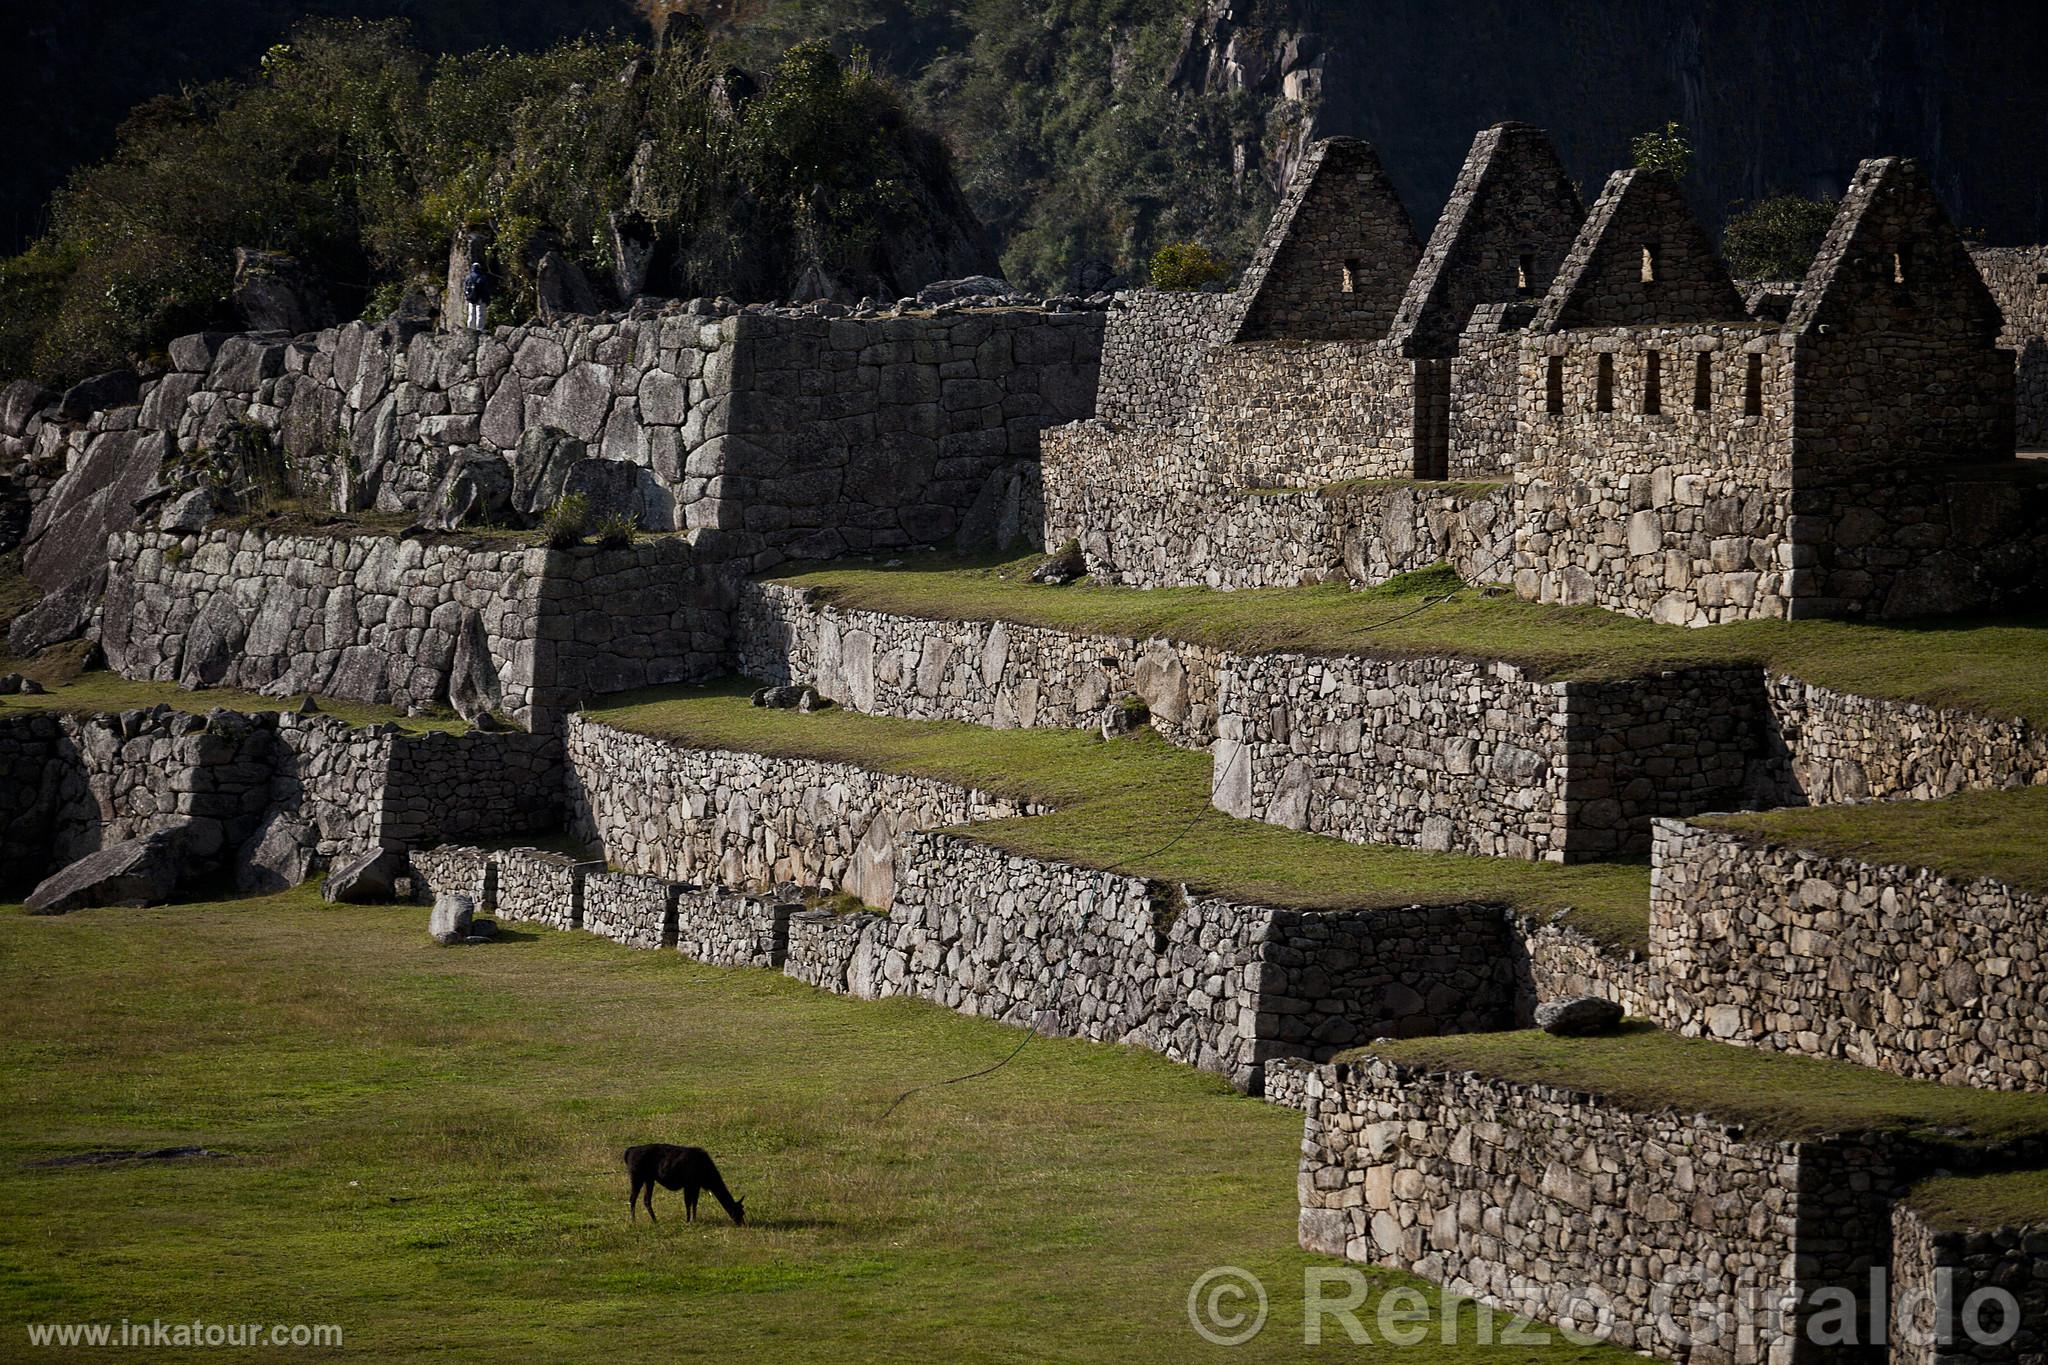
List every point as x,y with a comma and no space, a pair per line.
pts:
476,289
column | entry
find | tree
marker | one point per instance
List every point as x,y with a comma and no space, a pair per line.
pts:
1776,238
1668,150
1187,265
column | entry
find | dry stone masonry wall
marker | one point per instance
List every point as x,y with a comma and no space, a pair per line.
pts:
1941,1276
1894,967
1662,1232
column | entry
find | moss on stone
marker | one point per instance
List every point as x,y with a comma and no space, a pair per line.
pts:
1771,1094
1999,834
1138,805
1989,667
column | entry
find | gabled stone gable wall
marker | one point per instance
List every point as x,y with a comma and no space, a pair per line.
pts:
1894,967
1679,515
1510,221
1604,283
1665,1230
2018,278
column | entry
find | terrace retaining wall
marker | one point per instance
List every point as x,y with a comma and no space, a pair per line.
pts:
1946,1282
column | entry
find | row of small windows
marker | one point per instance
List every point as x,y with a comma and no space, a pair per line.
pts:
1653,384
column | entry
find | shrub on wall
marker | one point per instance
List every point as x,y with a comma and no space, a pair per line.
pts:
1777,238
1187,265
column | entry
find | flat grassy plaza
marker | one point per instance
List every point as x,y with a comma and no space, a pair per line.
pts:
421,1145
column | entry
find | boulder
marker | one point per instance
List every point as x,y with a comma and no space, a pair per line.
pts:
20,400
114,389
967,287
634,244
562,289
193,354
1578,1017
540,466
612,486
274,292
789,697
188,513
141,871
1063,565
363,878
62,615
279,855
10,684
476,491
451,919
473,687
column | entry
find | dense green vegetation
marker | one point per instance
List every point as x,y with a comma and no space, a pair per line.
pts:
1992,667
1773,1094
1776,238
1971,834
421,1145
1139,805
360,155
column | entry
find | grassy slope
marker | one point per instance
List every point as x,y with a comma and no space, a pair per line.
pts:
424,1149
1141,805
2011,1199
100,690
1993,668
1771,1093
2002,834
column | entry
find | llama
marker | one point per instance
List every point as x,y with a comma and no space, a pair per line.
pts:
689,1169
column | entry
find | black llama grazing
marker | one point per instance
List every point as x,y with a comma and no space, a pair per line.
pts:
689,1169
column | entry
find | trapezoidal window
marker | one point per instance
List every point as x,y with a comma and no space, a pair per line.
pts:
1354,275
1653,383
1703,381
1525,271
1902,264
1649,262
1753,386
1553,386
1603,383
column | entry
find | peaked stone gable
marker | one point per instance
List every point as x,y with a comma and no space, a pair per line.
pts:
1511,219
1337,257
1641,259
1892,260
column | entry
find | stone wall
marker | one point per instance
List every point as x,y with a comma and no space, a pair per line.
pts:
1837,747
993,673
2018,279
1152,351
413,622
459,869
1486,394
271,797
1450,754
729,929
741,819
1937,1273
1565,962
627,908
1659,1231
538,886
1677,514
1894,967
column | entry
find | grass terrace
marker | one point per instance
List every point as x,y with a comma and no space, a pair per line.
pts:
1966,1202
1990,667
1772,1094
2001,834
1142,806
85,692
421,1145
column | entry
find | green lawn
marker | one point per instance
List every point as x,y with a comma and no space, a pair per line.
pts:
2015,1198
422,1147
1990,667
1773,1094
101,690
2002,834
1141,805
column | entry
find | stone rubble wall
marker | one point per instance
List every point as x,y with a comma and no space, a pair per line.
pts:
1152,351
627,908
1566,962
1839,747
274,797
1559,1205
2018,279
1899,968
730,929
826,951
741,819
1455,755
459,869
538,886
1221,538
1936,1272
408,621
1486,398
992,673
1678,515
